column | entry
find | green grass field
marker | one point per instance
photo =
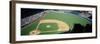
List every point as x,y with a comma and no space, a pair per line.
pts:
48,27
68,18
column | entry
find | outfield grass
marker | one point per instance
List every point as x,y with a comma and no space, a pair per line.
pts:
68,18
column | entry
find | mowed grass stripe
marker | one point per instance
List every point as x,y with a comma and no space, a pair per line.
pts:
69,18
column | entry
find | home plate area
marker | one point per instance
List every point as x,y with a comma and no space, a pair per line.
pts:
50,26
54,22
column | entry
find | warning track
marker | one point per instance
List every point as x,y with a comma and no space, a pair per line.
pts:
63,22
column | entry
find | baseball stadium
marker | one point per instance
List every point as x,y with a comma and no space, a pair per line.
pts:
55,21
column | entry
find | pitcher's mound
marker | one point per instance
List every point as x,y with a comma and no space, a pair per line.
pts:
50,26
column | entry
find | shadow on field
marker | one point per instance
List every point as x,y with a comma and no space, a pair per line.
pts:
80,29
